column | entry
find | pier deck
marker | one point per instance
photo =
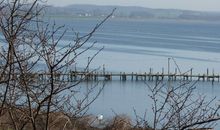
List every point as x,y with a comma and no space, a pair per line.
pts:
74,75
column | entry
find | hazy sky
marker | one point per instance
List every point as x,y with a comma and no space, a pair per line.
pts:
203,5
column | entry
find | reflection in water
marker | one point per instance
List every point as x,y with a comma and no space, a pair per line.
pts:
123,97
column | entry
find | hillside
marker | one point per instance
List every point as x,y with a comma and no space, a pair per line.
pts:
131,12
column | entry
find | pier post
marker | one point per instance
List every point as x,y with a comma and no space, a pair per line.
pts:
175,77
213,74
168,69
136,77
75,76
91,76
207,74
213,79
218,78
150,75
103,69
157,76
124,78
191,74
145,76
132,76
95,76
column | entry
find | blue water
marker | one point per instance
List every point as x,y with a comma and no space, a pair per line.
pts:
122,98
136,46
194,36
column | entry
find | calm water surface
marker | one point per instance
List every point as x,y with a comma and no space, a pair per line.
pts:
123,97
136,46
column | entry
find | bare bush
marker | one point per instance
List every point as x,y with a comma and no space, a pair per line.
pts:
177,106
31,96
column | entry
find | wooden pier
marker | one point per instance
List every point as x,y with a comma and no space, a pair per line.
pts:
150,76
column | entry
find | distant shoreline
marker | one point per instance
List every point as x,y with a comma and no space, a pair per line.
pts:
133,19
131,13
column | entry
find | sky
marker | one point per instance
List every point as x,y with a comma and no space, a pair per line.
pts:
201,5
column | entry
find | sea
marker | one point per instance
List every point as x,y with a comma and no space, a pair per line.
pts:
140,45
137,45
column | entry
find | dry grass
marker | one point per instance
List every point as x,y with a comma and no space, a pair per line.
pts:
121,122
59,121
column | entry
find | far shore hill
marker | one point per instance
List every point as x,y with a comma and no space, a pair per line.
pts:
130,12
